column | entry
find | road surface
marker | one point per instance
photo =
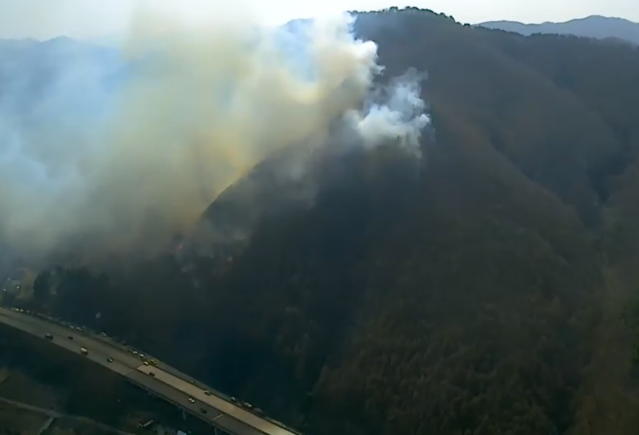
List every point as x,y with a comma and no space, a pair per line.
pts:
166,382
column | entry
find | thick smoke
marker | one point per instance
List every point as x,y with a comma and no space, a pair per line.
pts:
120,149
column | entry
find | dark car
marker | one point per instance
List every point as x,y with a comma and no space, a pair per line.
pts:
48,336
203,410
70,337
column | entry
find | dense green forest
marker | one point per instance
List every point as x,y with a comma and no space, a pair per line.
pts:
480,293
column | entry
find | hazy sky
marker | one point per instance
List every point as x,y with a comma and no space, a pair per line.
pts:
98,18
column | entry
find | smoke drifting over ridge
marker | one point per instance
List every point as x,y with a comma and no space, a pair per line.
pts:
123,148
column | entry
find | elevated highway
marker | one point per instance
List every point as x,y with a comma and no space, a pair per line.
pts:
160,379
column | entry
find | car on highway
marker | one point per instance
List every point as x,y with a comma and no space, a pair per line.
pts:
84,351
146,363
110,359
70,337
207,393
48,336
233,399
152,374
203,410
146,425
191,400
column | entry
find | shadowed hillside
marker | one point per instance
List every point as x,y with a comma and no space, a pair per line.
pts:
467,293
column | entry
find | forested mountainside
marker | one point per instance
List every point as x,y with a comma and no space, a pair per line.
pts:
479,293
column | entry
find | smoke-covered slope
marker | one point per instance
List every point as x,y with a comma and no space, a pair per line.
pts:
466,292
179,112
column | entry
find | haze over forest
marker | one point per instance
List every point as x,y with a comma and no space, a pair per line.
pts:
406,225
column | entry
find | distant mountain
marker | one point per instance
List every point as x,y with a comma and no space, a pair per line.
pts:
28,64
591,27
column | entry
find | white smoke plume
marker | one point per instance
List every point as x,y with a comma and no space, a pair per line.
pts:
120,149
